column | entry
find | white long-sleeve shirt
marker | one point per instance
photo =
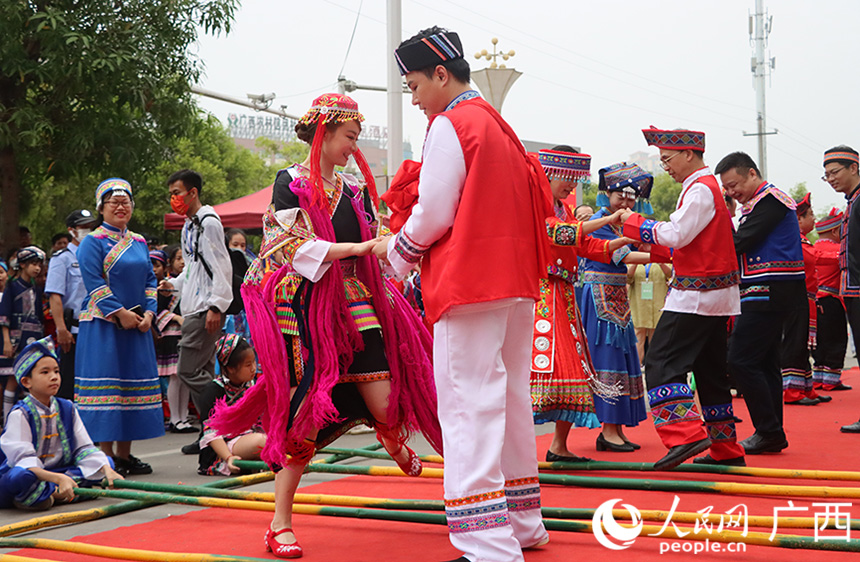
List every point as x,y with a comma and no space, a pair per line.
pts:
682,227
443,175
197,289
17,442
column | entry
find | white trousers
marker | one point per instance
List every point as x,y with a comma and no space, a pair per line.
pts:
482,355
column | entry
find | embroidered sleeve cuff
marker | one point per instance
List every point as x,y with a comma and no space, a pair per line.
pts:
163,319
564,233
409,250
619,254
103,299
640,228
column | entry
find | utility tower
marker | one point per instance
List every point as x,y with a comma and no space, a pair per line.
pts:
760,26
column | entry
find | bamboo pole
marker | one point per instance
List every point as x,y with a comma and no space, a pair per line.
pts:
759,472
438,505
85,515
730,488
14,558
122,553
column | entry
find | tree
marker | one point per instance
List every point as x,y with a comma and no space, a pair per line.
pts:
664,196
228,172
94,89
294,151
798,191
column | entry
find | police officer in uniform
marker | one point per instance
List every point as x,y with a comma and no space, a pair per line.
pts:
66,292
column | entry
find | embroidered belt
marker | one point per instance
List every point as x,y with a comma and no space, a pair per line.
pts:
829,290
603,278
707,283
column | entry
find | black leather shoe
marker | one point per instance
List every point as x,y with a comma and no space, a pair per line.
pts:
604,445
191,448
822,398
756,444
708,459
853,428
805,401
679,453
461,559
839,386
131,466
552,457
636,446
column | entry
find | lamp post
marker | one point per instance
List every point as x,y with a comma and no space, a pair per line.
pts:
495,81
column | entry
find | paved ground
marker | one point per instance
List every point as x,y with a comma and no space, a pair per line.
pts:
171,466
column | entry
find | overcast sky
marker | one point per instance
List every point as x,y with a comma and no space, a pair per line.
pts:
594,73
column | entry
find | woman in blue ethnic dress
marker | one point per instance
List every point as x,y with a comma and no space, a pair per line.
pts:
116,383
606,310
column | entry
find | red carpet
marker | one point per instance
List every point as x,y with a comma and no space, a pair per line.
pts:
815,443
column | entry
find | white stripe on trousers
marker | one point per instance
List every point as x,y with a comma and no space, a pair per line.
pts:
481,355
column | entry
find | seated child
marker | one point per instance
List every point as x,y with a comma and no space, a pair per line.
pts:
45,451
238,369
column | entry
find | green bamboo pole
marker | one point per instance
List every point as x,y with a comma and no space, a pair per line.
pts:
759,472
438,505
122,553
383,455
626,483
83,516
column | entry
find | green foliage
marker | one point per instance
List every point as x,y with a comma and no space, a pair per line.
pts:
664,196
798,191
228,172
289,152
94,89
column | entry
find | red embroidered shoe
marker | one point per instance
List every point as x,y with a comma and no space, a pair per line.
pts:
412,466
281,550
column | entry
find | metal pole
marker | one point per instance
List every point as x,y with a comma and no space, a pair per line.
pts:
223,97
395,91
760,71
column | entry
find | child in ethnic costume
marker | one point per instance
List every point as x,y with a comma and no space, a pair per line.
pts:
21,314
799,328
606,309
330,331
168,327
561,369
832,337
238,369
45,451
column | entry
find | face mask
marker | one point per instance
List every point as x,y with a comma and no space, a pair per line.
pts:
81,233
178,204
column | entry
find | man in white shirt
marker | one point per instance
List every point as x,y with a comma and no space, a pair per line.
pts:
477,227
692,331
204,286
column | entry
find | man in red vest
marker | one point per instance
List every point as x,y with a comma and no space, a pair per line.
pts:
479,230
691,333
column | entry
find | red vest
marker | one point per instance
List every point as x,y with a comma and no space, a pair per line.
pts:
709,261
492,250
827,267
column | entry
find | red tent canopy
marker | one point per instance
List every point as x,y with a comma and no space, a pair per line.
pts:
245,212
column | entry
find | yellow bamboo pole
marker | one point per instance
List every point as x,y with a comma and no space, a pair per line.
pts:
122,553
15,558
758,472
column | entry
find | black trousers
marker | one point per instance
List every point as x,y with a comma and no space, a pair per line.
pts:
754,361
67,373
796,372
689,342
832,339
852,310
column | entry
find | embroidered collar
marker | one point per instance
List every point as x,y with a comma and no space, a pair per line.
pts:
111,229
467,95
763,191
